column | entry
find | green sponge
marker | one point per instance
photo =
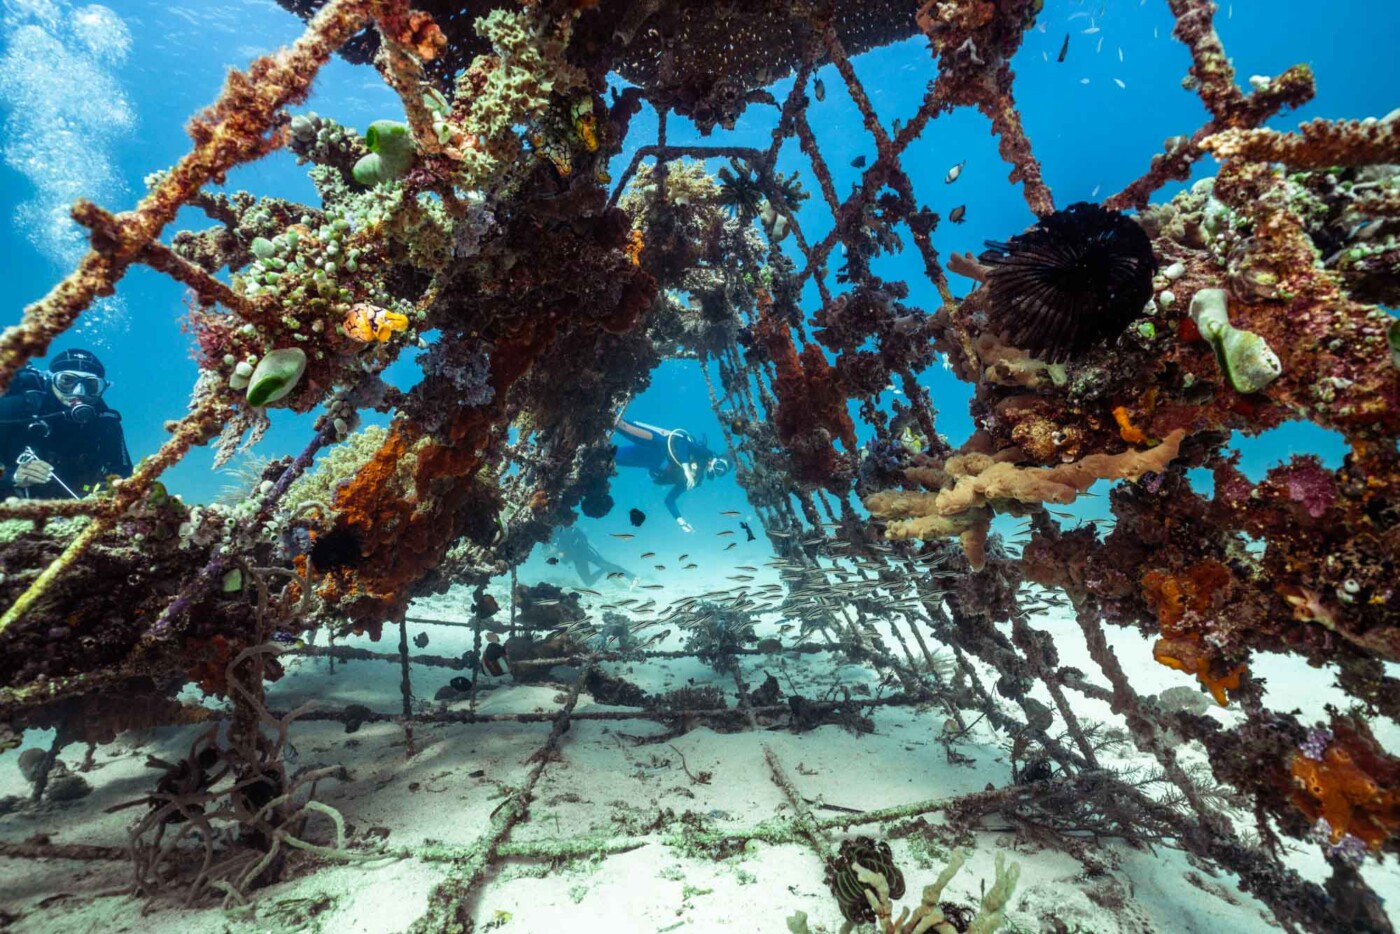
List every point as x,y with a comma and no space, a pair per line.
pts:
390,153
276,375
1247,360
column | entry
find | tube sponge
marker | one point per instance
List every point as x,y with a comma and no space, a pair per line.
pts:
390,153
993,909
1247,360
276,375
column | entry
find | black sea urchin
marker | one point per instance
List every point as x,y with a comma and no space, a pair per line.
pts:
1074,278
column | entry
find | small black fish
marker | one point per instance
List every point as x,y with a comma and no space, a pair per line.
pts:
858,162
1063,49
421,640
957,214
819,89
355,716
551,560
747,531
491,658
637,517
461,684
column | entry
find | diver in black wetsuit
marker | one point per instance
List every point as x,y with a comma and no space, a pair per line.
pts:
573,546
673,457
58,438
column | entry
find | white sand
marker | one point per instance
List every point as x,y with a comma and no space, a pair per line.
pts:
601,783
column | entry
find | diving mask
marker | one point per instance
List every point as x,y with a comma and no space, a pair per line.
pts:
78,383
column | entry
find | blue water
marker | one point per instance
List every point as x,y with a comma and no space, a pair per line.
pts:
95,98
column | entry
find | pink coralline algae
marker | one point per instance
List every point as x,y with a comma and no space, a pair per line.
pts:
1309,484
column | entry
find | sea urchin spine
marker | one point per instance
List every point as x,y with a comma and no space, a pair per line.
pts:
1076,277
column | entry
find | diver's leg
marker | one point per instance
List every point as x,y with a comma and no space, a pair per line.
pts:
586,572
636,455
636,432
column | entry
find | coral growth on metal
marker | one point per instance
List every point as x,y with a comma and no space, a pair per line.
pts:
553,298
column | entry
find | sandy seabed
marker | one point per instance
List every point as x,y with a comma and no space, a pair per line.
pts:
605,782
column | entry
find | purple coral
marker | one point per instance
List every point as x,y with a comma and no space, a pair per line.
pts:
1316,744
1310,484
1350,849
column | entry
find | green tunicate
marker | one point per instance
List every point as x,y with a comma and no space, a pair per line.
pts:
390,153
262,247
276,375
1247,360
233,581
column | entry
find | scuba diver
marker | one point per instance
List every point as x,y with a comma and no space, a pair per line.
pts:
674,458
58,438
571,545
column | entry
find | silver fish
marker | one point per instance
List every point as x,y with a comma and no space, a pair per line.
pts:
954,172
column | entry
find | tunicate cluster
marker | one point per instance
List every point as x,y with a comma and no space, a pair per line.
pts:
312,275
320,139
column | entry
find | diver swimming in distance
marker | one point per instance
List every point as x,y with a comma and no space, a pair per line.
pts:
58,438
673,458
571,545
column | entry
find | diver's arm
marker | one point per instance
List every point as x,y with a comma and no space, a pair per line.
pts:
674,509
672,497
15,415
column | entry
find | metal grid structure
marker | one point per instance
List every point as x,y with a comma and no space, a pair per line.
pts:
926,591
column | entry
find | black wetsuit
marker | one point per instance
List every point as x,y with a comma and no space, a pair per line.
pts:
662,452
82,455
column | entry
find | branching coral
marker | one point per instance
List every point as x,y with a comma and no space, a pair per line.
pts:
974,486
715,635
1318,144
